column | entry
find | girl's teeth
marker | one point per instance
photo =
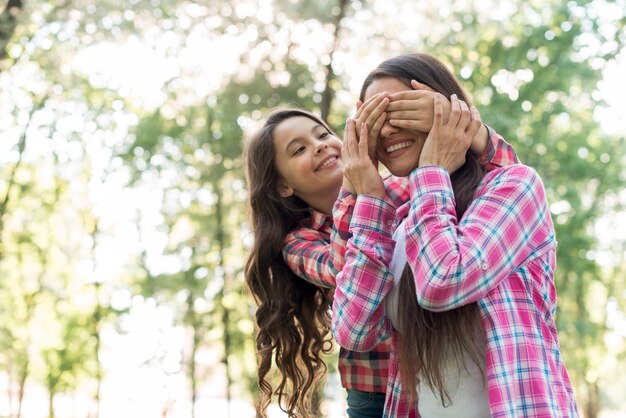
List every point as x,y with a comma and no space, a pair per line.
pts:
328,162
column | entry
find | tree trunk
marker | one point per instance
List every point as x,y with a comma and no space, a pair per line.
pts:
225,312
8,23
96,334
195,336
21,387
329,93
51,403
21,146
593,400
9,372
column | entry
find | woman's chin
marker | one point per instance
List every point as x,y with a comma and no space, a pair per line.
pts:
400,170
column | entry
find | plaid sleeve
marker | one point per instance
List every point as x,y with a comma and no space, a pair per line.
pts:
359,323
458,263
314,255
306,253
342,214
397,189
498,152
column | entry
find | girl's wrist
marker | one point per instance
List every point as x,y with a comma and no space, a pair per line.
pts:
479,142
347,186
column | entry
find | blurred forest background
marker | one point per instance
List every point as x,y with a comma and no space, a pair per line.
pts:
123,225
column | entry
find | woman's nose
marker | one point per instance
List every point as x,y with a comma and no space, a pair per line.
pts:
388,130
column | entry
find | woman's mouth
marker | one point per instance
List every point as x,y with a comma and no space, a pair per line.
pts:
397,147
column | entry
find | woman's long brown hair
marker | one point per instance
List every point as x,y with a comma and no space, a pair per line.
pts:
293,315
426,339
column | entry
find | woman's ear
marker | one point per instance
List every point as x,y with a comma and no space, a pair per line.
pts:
284,190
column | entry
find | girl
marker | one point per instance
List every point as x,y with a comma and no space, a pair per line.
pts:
472,314
295,173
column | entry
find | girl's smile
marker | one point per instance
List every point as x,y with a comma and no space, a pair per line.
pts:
308,158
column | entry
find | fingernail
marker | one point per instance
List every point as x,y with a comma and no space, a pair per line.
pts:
454,96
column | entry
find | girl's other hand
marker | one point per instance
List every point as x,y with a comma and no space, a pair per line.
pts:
447,143
413,109
372,114
359,170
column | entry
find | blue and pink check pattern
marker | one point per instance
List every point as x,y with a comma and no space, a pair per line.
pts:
315,251
501,254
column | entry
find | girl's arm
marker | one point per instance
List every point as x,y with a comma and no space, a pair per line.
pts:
456,263
359,323
312,253
498,152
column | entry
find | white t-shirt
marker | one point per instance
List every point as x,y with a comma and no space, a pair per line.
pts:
466,386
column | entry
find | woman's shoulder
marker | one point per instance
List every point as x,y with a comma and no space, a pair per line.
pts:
513,172
517,175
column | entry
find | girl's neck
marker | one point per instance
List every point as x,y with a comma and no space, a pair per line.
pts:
326,202
326,205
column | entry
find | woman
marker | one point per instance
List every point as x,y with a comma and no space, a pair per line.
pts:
472,314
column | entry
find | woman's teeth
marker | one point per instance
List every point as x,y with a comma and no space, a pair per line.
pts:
397,147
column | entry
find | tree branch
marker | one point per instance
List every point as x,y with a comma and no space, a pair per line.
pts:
8,23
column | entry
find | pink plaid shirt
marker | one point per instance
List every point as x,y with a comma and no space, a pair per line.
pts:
316,249
501,254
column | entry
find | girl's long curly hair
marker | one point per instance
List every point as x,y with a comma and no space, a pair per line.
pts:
293,315
427,339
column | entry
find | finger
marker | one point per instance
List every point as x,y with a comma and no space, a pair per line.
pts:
371,111
437,112
409,95
354,141
445,103
369,106
402,114
375,114
455,111
465,118
404,104
475,124
364,105
375,131
358,105
406,124
348,137
363,143
475,114
418,86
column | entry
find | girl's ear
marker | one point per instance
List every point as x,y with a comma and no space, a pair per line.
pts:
284,190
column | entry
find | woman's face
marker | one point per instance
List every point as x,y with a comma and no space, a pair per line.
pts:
308,158
398,149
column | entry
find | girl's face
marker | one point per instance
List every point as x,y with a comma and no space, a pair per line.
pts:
308,158
398,149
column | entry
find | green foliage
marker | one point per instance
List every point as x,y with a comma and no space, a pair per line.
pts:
533,77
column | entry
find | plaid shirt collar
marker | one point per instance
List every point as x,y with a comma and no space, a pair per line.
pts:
318,219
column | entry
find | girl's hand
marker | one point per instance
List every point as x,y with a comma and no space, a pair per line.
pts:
413,109
447,143
359,170
372,113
